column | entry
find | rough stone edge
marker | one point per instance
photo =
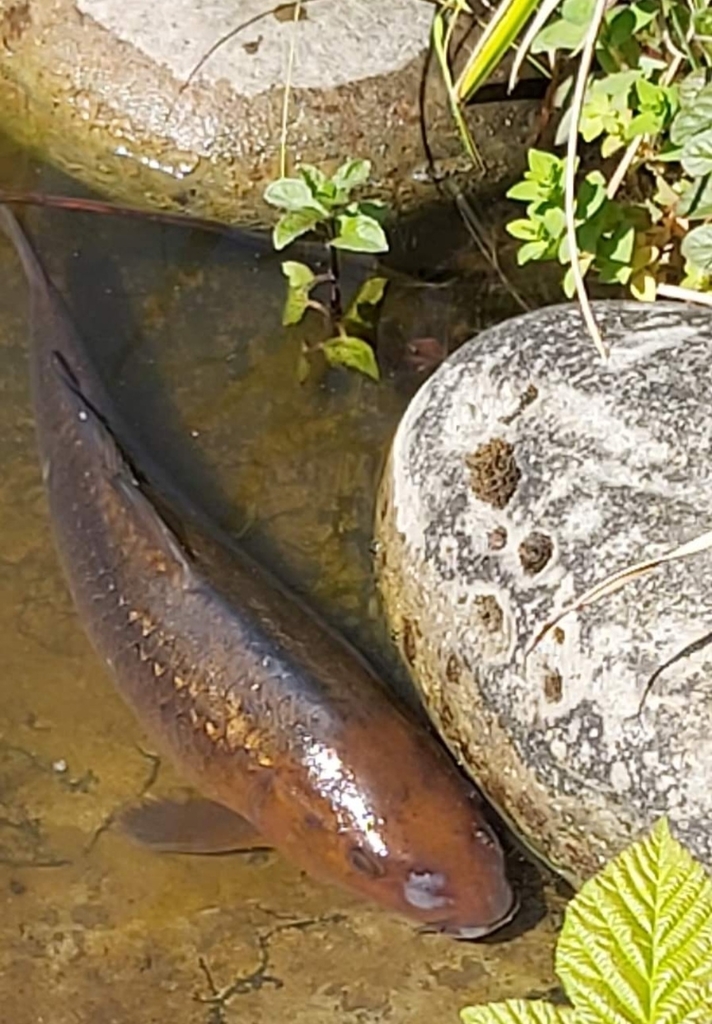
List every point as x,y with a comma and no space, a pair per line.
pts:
494,765
220,178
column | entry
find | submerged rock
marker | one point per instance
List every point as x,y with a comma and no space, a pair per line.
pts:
524,472
182,105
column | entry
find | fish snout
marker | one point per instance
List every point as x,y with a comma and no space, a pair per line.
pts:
471,932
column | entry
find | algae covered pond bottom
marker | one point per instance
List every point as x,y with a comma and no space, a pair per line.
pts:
185,329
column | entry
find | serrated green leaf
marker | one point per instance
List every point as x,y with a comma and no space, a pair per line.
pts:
292,194
697,154
697,247
359,233
299,275
636,944
292,225
517,1011
351,174
353,353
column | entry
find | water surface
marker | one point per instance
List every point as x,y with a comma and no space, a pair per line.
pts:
186,330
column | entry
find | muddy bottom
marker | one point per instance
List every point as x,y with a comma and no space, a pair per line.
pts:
186,331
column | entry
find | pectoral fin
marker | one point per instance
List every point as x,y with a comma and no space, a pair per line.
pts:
194,826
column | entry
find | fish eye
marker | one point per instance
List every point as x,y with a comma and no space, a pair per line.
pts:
365,862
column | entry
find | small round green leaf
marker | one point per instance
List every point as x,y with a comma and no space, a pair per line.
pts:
295,306
292,194
360,234
351,174
524,229
299,275
292,225
554,221
525,191
538,250
353,353
371,292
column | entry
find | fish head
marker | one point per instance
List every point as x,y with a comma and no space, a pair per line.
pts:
433,858
396,822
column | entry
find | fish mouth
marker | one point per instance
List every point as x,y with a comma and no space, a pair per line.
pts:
469,933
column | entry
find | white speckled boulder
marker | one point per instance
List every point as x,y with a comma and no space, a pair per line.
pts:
523,472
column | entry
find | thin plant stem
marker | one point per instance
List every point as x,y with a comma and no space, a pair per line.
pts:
680,294
287,91
570,173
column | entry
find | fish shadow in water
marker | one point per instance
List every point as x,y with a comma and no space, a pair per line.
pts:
105,314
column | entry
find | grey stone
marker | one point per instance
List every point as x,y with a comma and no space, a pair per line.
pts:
523,472
180,104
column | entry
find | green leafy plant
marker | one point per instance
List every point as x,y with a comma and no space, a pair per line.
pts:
635,85
608,233
313,202
635,947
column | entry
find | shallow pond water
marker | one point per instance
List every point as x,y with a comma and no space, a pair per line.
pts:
185,327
